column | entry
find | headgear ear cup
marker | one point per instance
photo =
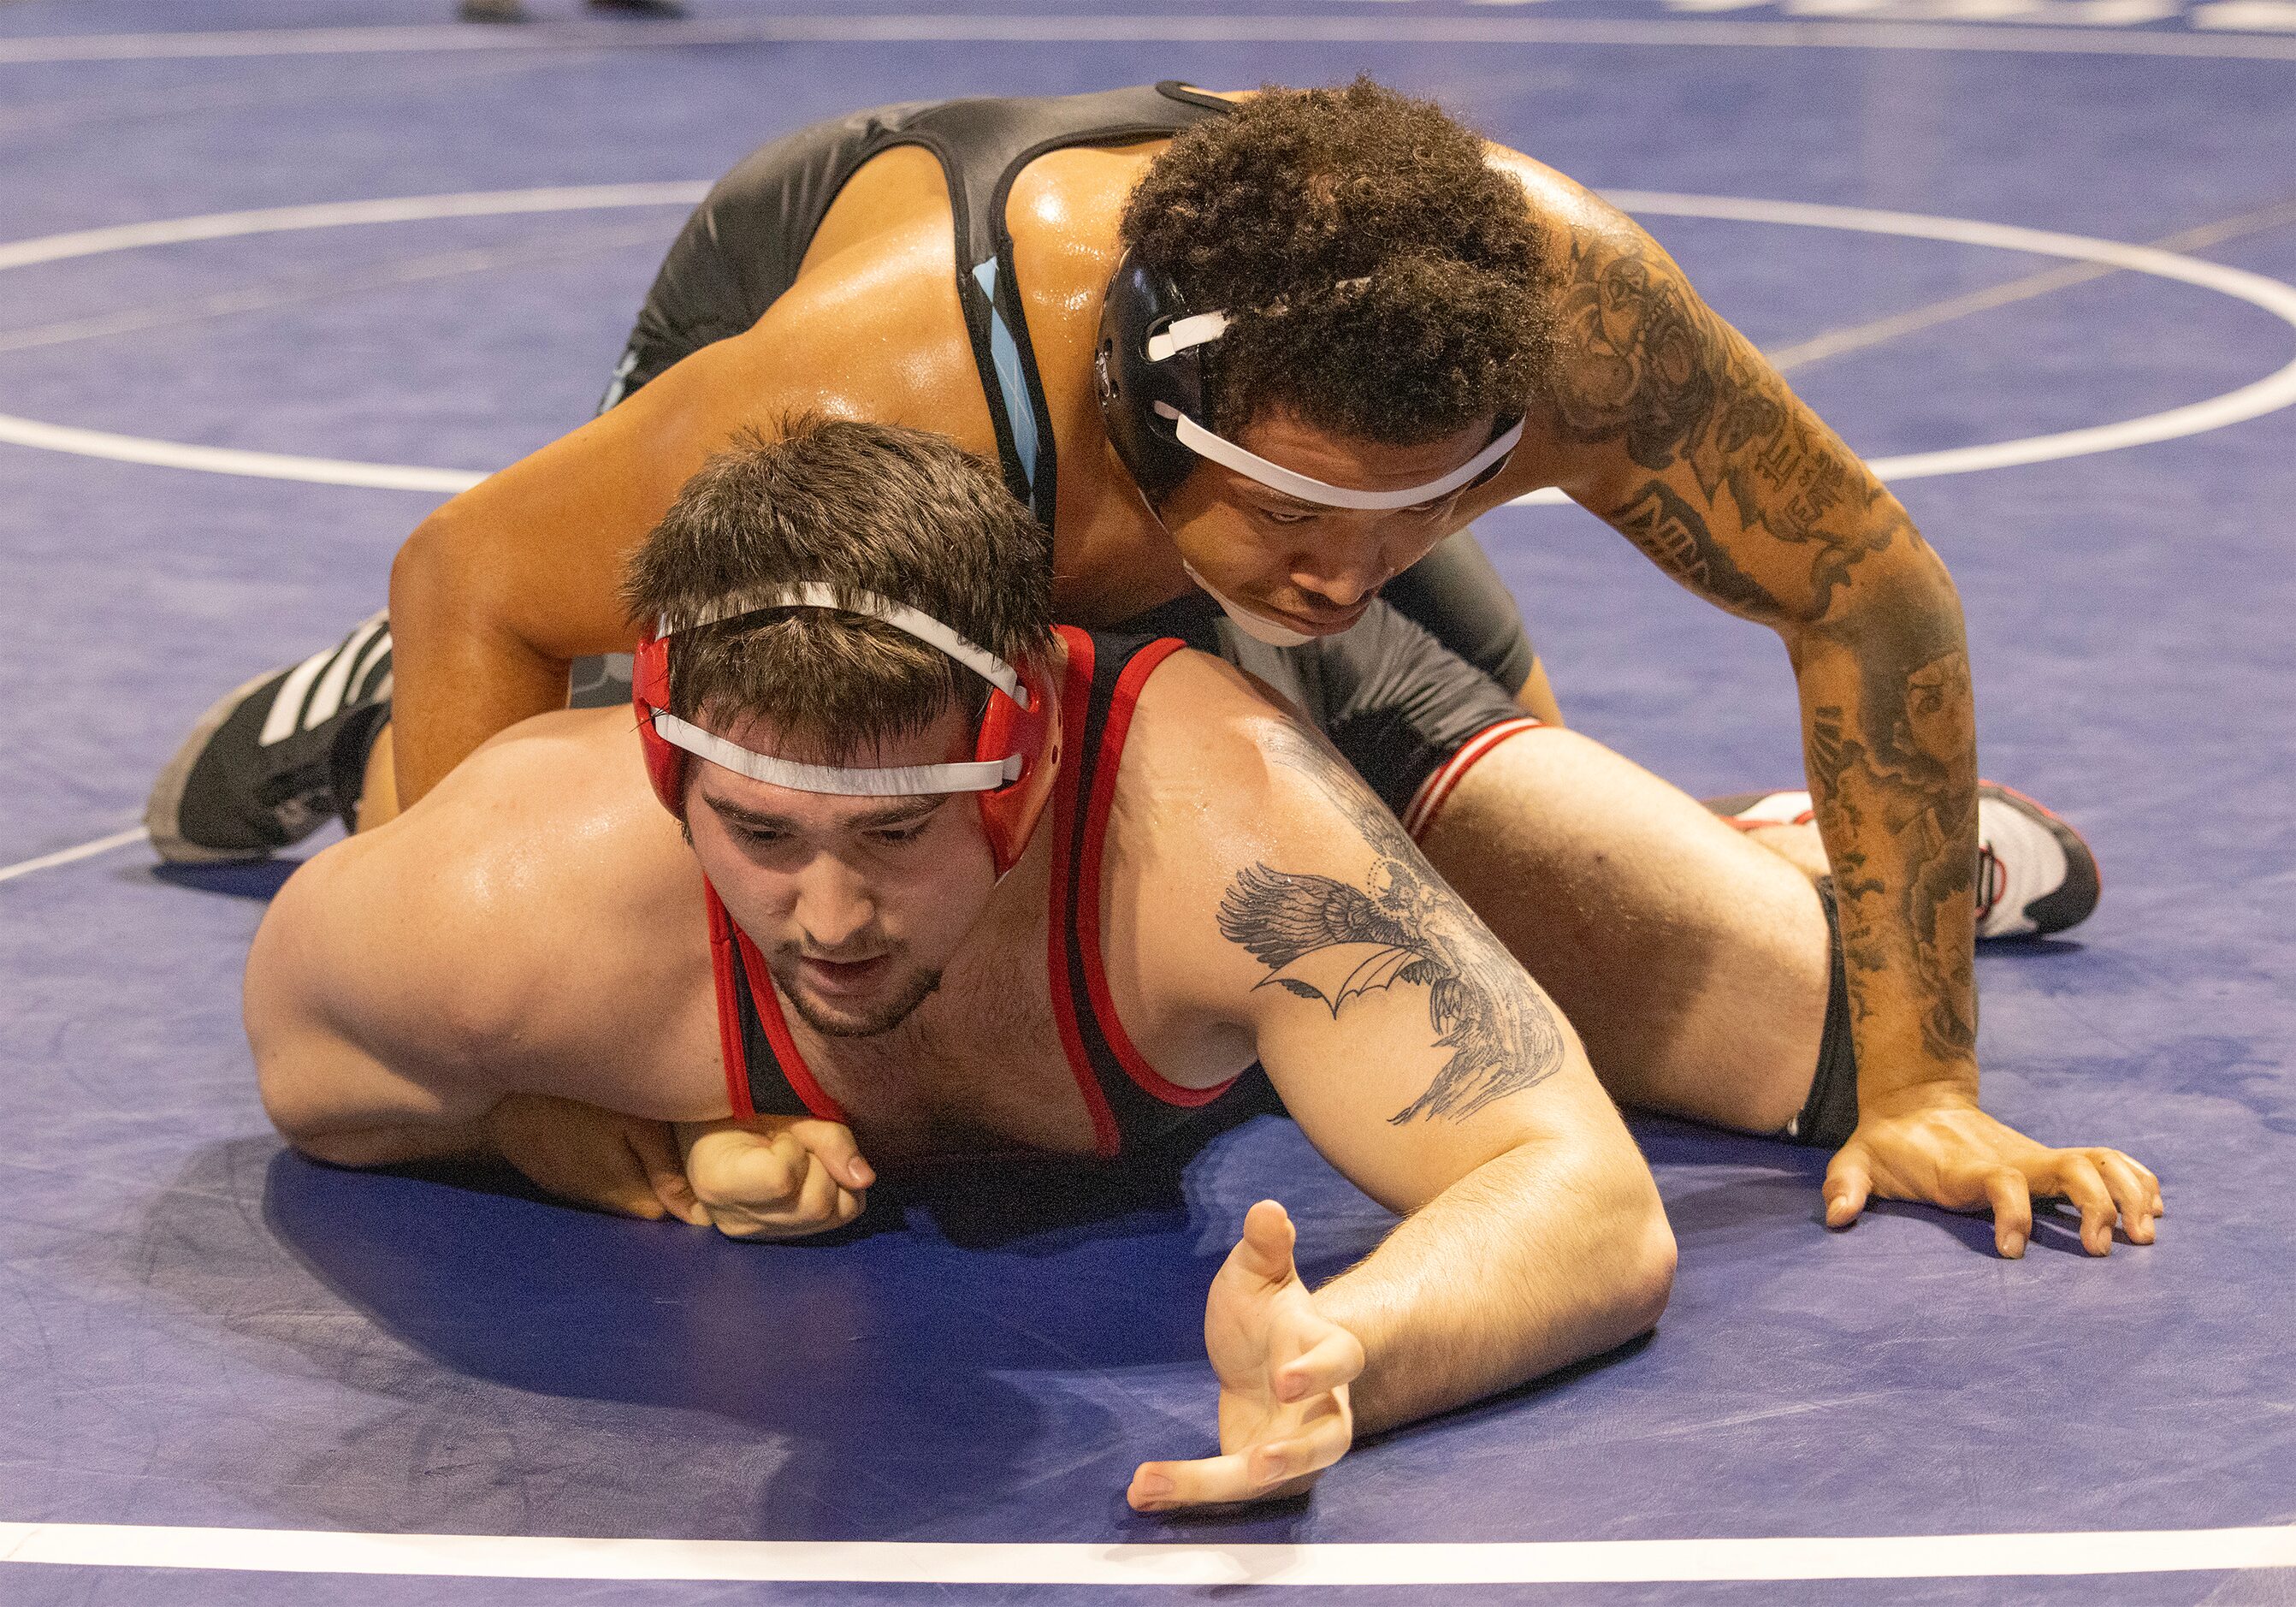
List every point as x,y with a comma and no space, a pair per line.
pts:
1140,302
1009,814
650,691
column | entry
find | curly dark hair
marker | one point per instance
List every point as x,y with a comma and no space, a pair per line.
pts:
1380,279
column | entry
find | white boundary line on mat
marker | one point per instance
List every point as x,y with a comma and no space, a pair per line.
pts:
274,220
2274,392
1319,1564
1073,29
2269,394
66,856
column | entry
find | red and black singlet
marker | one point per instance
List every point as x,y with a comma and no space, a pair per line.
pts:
1130,1105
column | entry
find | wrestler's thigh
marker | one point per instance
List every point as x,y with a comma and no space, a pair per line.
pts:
1693,963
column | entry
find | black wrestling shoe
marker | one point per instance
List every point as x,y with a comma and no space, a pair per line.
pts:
277,759
665,10
2035,874
492,11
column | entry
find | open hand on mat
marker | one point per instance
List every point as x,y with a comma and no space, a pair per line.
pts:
1284,1371
1950,1153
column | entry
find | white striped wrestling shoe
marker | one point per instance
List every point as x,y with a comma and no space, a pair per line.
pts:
274,760
2035,874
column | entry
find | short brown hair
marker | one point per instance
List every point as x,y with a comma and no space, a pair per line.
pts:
1381,279
904,514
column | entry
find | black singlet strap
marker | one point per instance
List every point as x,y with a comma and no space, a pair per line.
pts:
982,146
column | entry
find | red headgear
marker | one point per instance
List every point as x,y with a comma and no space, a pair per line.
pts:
1015,753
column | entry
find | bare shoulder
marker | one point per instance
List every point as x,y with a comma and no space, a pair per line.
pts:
871,329
1219,774
487,911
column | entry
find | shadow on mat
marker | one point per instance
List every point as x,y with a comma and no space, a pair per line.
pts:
987,1343
260,880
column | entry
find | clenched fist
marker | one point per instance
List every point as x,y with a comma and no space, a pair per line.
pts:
776,1177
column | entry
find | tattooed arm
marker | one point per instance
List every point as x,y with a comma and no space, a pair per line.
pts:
1423,1062
1678,433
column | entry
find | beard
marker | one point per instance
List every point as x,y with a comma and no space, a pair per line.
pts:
858,1018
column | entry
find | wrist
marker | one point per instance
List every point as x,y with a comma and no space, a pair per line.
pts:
1947,1088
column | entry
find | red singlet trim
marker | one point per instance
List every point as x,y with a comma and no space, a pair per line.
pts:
730,1047
1434,790
1077,694
778,1032
1126,699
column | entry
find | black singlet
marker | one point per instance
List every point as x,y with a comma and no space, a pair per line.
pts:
743,247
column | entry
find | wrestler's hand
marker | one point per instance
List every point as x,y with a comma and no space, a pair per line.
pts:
593,1156
776,1176
1284,1371
1952,1154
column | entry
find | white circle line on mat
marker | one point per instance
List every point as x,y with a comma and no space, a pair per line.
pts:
1108,1563
68,856
274,220
2274,392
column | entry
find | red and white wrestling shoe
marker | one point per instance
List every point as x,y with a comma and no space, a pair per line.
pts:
2035,874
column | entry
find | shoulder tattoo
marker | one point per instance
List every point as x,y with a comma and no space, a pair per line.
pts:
1321,938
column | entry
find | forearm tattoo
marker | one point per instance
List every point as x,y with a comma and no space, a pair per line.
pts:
1644,364
1903,769
1323,939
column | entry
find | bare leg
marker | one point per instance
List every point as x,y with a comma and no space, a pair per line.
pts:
1693,963
1799,846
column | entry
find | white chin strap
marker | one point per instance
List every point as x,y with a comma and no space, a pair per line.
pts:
1257,626
1183,334
889,781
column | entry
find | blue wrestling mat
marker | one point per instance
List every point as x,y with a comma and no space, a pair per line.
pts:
235,1376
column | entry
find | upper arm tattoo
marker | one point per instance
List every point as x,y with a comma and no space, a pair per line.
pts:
1646,364
1322,939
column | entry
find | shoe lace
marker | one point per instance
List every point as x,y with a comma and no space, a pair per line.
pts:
1992,879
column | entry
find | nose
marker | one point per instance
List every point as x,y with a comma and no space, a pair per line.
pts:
1344,570
835,905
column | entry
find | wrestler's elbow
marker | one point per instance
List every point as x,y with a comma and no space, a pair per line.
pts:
1635,1252
436,571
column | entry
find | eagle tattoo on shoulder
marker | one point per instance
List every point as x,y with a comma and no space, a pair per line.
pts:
1323,939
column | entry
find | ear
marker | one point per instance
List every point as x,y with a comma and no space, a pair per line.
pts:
1010,814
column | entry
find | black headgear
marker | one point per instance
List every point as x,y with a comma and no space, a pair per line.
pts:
1140,302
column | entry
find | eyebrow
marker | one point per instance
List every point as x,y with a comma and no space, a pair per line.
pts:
896,814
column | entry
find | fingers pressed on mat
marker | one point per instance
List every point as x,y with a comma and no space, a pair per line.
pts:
2082,1184
1848,1185
2130,1193
2013,1211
